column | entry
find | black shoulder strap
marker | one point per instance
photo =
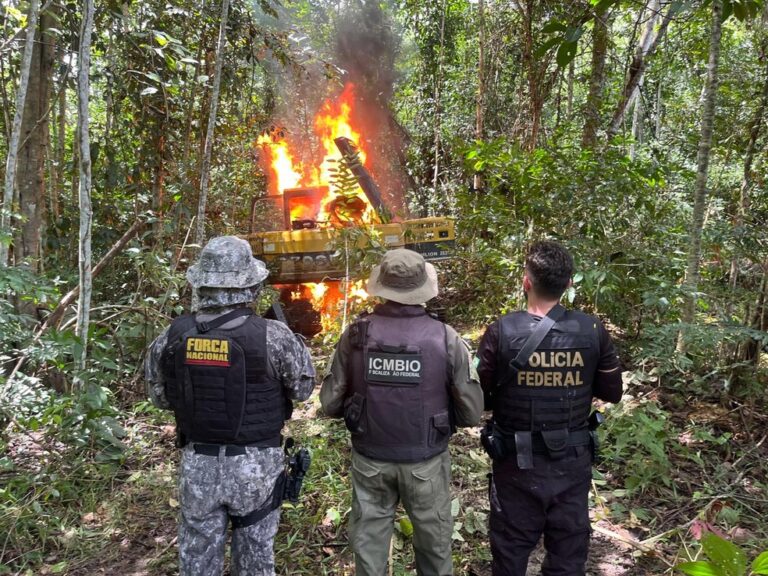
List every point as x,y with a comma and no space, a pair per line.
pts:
533,342
204,327
537,336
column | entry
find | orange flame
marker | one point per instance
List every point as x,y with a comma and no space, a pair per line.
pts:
329,299
281,161
333,120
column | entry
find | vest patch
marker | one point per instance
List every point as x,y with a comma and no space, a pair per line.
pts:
203,351
550,378
393,368
556,359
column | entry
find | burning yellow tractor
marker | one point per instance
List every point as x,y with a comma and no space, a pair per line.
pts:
306,244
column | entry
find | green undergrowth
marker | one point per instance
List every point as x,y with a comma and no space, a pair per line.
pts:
666,467
63,506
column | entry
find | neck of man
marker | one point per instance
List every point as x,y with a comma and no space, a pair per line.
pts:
539,306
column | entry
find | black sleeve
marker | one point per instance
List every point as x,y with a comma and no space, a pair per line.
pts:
487,354
608,385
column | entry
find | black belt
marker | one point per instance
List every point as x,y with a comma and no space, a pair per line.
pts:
213,449
234,449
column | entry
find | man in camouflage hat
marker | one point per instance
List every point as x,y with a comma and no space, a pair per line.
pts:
402,381
229,376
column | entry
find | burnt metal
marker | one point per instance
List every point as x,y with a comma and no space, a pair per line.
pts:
306,224
364,178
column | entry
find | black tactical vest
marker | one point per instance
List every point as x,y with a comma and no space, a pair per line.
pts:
553,391
398,405
219,385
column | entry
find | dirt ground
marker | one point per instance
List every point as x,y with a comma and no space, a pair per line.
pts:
138,557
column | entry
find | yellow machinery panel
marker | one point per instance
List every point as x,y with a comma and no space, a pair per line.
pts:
314,255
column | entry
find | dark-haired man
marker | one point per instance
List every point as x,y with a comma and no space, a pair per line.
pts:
539,370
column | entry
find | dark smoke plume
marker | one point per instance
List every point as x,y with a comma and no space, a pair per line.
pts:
366,48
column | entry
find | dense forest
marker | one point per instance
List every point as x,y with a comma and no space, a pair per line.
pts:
633,131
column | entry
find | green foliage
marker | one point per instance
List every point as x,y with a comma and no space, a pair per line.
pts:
725,559
20,291
707,356
607,209
638,442
360,248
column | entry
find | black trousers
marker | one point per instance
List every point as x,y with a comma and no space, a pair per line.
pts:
551,499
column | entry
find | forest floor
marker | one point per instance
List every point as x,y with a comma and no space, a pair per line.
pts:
126,525
133,533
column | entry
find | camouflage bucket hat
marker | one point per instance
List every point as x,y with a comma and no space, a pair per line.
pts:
227,262
403,276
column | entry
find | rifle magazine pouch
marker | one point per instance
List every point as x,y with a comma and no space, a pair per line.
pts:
556,442
524,449
358,333
353,413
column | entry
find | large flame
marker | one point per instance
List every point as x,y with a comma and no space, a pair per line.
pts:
333,120
329,298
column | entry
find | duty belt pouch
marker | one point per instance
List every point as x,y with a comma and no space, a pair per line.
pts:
524,449
556,442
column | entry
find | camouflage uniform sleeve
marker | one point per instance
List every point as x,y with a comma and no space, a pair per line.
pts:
466,393
334,389
153,376
290,359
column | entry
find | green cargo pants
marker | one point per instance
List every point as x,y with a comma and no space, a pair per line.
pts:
424,489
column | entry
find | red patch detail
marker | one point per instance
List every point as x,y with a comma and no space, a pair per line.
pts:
207,362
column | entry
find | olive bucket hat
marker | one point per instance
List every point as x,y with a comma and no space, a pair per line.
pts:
403,276
227,262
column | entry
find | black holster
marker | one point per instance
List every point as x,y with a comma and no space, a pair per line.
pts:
493,443
298,464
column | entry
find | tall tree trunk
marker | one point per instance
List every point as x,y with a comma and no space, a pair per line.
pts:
533,74
477,182
60,141
571,74
33,150
600,45
754,132
658,112
6,103
158,180
11,163
647,46
191,98
206,166
637,123
691,282
86,210
437,99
